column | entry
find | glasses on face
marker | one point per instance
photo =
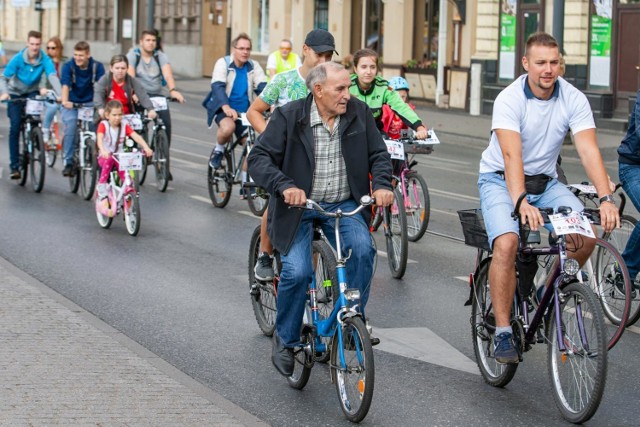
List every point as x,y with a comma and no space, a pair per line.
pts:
51,48
243,48
285,48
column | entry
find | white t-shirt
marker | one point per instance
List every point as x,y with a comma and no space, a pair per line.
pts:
542,125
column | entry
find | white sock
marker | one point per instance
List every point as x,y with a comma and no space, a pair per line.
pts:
220,148
502,329
243,176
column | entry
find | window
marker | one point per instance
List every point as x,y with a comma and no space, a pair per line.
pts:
260,27
321,16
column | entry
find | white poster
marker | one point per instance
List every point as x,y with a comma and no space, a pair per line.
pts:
20,3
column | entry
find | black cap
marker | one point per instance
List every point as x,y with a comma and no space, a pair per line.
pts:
320,41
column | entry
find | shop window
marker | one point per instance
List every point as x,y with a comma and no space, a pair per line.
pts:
373,25
260,27
321,15
430,33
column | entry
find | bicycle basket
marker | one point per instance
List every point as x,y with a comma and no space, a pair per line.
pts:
417,148
473,229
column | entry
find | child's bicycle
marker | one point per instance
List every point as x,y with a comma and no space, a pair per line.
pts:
351,353
122,196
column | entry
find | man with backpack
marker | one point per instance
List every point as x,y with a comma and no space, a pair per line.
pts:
151,67
235,81
77,77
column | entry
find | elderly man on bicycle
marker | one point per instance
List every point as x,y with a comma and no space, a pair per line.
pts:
530,120
323,147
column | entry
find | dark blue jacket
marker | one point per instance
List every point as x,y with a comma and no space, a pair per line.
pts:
629,150
284,158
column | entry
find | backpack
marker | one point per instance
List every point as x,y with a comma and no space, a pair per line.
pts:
93,75
155,56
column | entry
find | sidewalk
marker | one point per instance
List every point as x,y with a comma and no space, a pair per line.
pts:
60,365
445,122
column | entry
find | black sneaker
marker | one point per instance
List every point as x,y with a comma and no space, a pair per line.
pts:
68,170
15,174
263,269
504,349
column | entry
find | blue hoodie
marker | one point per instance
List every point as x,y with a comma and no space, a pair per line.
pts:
21,77
629,150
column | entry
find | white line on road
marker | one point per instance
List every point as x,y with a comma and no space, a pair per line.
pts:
445,212
384,254
424,345
189,153
437,159
200,199
463,278
453,195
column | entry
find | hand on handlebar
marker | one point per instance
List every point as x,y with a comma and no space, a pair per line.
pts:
609,216
152,114
531,215
148,152
294,196
4,97
231,113
422,133
383,197
68,105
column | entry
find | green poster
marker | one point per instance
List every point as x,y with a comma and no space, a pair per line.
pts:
507,33
600,36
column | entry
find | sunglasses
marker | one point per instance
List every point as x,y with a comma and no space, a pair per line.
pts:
51,47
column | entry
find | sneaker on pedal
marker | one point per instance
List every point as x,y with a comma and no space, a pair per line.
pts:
68,170
15,174
216,160
263,269
504,349
46,135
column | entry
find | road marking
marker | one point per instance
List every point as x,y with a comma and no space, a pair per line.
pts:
437,159
634,329
192,165
424,345
189,153
452,195
384,254
445,212
463,278
249,214
200,198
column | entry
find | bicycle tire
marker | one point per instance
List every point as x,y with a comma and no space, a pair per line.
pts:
257,204
50,156
302,364
610,282
376,219
418,206
89,172
161,163
483,332
37,160
263,294
219,182
142,173
586,368
395,231
104,220
355,394
131,213
324,267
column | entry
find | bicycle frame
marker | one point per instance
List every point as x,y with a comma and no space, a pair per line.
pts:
126,187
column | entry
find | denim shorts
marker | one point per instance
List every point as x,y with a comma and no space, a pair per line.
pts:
497,206
240,131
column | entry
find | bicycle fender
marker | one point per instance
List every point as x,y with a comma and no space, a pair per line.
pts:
472,280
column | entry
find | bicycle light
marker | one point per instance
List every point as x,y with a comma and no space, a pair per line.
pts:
571,267
352,294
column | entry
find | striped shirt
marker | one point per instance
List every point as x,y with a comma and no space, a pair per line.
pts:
330,175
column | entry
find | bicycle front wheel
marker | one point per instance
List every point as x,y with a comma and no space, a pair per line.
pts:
352,368
395,231
418,206
132,217
324,267
37,159
219,182
619,237
257,203
578,374
88,170
263,294
483,331
161,163
50,155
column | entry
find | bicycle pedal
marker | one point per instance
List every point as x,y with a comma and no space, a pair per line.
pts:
254,290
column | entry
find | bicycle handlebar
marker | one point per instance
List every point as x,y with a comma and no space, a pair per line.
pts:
593,215
365,201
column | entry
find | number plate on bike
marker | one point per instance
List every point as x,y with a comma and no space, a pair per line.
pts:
133,120
85,114
33,107
574,223
395,149
130,161
244,120
432,138
159,103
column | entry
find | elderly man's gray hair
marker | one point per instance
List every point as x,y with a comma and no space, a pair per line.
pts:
318,74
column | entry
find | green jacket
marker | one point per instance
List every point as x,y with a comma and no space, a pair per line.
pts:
380,93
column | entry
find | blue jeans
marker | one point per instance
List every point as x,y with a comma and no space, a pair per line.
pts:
50,112
14,112
630,179
69,123
297,270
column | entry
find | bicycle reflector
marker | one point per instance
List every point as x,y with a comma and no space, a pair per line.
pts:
571,267
352,294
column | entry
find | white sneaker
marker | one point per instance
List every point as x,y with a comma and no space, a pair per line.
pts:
46,135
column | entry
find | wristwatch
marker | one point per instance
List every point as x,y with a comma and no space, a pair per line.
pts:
607,198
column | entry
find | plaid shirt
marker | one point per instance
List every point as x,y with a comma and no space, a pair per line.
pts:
330,175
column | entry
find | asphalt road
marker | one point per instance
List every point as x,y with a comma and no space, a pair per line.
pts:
180,289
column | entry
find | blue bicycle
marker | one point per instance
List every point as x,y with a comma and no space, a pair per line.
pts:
351,354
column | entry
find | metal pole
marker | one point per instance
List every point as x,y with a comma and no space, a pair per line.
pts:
558,23
151,4
442,50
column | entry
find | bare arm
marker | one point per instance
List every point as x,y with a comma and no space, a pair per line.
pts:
171,83
65,97
511,146
255,114
141,142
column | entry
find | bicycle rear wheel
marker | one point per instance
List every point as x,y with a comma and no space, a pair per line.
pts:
131,213
219,182
303,362
619,237
578,375
483,329
142,174
352,368
324,266
37,159
161,163
263,294
395,231
418,206
23,165
88,172
257,203
50,155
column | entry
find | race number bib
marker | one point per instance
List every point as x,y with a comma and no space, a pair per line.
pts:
33,107
159,103
130,161
395,149
586,189
432,138
574,223
133,120
244,120
85,114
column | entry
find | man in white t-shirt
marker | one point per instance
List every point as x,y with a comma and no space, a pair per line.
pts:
530,120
